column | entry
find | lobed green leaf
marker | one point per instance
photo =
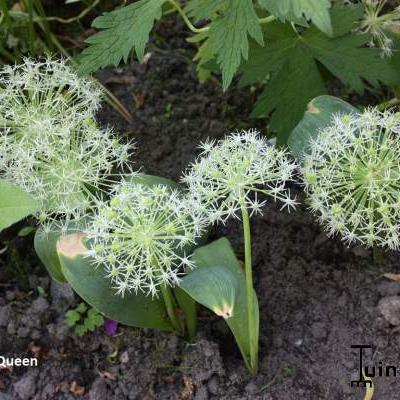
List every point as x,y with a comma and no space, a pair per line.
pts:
121,31
291,66
292,10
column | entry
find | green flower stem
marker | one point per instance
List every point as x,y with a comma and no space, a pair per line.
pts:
171,309
186,19
250,291
69,20
188,23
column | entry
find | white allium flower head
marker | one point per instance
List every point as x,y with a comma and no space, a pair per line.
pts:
37,96
352,176
50,145
140,237
229,174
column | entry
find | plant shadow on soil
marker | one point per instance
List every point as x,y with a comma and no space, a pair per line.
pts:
317,297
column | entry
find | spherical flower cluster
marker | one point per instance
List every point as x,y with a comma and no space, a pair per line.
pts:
231,172
41,96
50,145
140,237
352,176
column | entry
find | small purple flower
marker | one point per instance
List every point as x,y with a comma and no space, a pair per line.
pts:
110,327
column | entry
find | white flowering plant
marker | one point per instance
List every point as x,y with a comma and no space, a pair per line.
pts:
226,181
50,144
350,170
129,260
57,164
131,245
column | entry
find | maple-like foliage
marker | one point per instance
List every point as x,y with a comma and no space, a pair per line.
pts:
291,46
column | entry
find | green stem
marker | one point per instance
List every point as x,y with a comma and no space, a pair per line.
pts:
72,19
249,290
186,19
171,309
189,24
267,20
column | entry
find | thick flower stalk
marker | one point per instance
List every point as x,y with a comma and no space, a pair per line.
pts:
140,237
352,176
50,145
226,180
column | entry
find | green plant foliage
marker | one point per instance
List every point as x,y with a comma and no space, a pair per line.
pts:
45,248
294,59
318,115
228,36
219,284
203,9
45,243
121,31
90,284
291,64
15,204
24,30
315,10
84,320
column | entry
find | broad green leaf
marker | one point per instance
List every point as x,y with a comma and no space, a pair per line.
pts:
291,66
45,246
315,10
218,283
317,116
15,204
228,36
90,284
121,31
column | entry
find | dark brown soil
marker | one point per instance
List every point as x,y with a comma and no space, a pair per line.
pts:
317,298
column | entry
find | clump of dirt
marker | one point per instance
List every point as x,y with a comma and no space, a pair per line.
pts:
317,297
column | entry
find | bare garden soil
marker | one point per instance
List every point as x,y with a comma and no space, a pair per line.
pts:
317,297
